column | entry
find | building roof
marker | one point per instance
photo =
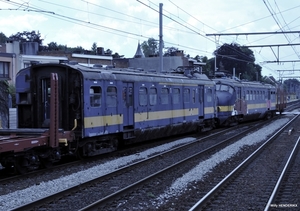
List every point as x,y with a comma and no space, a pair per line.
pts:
139,53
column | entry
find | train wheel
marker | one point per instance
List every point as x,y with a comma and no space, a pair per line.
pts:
21,165
79,154
10,169
46,163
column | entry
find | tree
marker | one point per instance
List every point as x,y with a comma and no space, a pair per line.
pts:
241,58
27,37
94,48
3,38
150,48
171,51
117,56
108,52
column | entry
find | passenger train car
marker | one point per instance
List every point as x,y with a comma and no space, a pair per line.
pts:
69,108
243,100
104,108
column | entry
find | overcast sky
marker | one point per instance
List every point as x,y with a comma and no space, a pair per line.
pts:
119,25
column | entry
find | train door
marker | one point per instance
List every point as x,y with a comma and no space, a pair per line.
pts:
268,100
176,105
141,106
127,97
164,105
201,101
209,103
45,97
112,113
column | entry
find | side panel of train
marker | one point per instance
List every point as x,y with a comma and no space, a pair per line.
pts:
113,108
243,101
260,102
127,111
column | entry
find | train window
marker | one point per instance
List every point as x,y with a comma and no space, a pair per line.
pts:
224,88
130,97
247,95
209,95
176,96
266,97
230,90
127,96
164,96
95,96
143,96
218,87
153,96
186,95
111,96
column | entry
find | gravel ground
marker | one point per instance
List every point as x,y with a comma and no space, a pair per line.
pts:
43,189
178,188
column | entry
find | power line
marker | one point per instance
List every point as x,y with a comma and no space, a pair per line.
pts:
279,25
253,33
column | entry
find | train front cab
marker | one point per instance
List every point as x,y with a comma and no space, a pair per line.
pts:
230,103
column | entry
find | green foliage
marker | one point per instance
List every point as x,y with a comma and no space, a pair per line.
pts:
3,38
230,56
94,48
171,51
150,48
117,56
108,52
27,36
53,46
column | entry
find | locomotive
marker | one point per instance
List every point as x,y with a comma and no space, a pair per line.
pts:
72,109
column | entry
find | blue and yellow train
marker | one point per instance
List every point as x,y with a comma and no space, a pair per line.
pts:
244,100
94,110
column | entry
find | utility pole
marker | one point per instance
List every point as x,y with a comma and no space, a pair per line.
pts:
160,38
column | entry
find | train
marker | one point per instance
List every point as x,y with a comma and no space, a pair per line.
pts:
83,110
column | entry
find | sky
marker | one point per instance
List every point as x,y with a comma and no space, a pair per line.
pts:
197,27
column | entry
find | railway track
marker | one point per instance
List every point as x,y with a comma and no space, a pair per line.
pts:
116,185
258,182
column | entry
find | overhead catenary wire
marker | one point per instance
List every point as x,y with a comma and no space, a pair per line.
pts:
87,23
137,36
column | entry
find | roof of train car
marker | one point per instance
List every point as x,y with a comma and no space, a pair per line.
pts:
126,74
241,83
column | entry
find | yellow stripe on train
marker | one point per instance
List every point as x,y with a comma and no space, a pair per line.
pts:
259,105
100,121
159,115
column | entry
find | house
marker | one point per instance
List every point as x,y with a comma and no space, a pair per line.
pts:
12,59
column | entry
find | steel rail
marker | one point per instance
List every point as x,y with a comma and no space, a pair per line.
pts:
207,197
75,188
283,173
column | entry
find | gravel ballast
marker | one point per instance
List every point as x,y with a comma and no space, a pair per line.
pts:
35,192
